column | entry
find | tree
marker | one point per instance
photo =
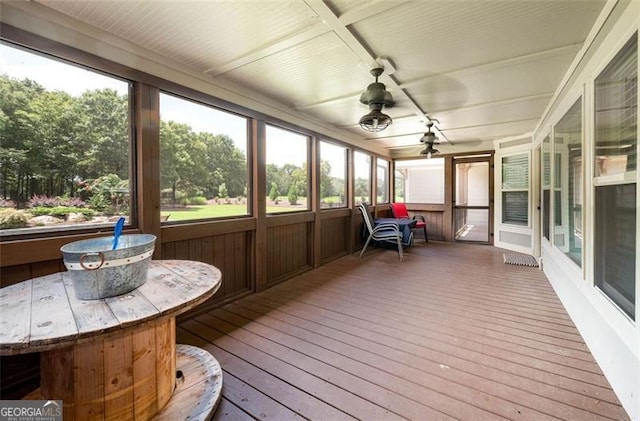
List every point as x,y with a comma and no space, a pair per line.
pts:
104,133
292,196
326,181
274,193
222,191
225,163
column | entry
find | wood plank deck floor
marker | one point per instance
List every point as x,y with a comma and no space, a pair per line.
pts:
450,333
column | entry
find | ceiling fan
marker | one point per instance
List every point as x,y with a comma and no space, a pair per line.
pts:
429,139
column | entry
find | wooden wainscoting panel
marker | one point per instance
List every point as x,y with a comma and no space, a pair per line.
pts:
334,235
288,250
228,252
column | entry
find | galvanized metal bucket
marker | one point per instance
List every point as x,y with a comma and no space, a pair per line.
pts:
98,272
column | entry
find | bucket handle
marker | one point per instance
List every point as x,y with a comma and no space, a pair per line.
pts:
91,264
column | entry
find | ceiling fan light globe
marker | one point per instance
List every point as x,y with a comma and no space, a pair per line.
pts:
375,121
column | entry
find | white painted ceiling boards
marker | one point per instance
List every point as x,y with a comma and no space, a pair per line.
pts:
485,69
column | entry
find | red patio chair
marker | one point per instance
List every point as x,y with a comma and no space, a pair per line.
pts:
399,210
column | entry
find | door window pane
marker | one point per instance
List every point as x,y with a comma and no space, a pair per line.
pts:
333,176
65,150
203,163
420,181
472,184
382,186
471,224
515,189
568,144
362,182
287,158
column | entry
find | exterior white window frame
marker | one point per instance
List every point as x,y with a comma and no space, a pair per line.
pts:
611,336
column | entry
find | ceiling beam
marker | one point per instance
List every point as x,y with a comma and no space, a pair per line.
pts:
362,51
367,10
288,41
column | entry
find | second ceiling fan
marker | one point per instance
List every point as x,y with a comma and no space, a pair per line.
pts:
429,139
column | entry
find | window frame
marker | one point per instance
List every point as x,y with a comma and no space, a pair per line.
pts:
368,155
309,144
346,149
615,179
248,167
386,177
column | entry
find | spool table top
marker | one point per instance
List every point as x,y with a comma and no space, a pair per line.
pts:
43,313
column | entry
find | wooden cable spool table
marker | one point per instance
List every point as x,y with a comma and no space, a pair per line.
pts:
116,358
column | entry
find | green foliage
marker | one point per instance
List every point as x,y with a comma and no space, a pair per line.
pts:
49,140
61,211
292,196
274,193
98,202
13,218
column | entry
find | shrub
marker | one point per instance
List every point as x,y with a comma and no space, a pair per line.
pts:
13,218
43,201
73,202
6,203
112,190
98,202
61,211
194,201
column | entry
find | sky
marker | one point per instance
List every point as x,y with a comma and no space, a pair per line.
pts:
282,146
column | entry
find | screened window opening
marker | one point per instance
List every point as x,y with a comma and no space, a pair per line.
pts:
203,161
333,176
65,156
515,189
382,177
287,159
568,146
362,182
419,181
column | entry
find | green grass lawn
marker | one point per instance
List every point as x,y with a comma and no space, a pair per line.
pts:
218,211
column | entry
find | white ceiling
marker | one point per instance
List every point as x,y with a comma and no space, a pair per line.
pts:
484,70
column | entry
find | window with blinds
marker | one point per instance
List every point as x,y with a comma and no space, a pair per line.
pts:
616,142
515,189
